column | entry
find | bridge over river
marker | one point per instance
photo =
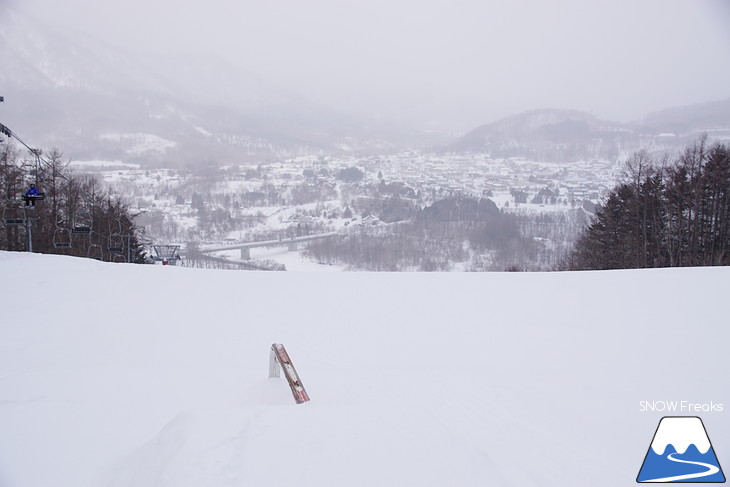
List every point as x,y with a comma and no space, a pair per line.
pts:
245,247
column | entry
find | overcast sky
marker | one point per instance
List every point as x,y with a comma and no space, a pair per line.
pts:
456,63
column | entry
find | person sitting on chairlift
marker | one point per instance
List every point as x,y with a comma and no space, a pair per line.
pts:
30,196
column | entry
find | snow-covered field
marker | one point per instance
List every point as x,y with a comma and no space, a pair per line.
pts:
140,143
134,376
103,165
293,260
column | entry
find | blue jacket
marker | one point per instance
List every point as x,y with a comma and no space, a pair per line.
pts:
32,192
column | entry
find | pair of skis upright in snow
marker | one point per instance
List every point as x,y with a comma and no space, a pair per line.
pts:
279,357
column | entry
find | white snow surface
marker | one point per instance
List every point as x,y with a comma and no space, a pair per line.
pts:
133,376
141,143
103,164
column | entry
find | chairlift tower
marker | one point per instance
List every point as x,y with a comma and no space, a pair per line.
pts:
16,214
128,237
29,219
167,254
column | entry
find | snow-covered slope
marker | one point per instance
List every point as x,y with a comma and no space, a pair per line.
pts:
122,375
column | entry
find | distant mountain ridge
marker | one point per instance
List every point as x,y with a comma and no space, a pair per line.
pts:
94,101
569,135
701,117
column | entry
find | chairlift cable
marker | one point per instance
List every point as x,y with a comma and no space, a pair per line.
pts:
4,129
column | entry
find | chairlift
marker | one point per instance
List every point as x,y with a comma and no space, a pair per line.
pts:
40,196
95,252
61,235
121,258
14,212
167,254
62,238
31,213
36,197
82,222
115,243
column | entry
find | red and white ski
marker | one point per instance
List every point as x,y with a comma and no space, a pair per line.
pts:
280,356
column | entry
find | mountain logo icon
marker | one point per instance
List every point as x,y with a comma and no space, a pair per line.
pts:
681,452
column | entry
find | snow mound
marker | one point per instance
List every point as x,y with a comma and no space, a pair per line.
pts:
121,375
332,446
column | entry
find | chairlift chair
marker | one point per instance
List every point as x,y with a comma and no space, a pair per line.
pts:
119,258
95,252
82,222
61,238
35,197
115,243
14,213
31,213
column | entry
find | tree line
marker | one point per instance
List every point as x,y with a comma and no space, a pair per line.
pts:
664,213
405,237
77,217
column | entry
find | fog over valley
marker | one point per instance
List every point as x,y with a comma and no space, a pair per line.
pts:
430,65
235,123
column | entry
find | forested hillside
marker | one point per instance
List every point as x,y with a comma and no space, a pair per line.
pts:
73,215
666,213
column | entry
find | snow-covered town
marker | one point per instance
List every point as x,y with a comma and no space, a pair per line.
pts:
310,195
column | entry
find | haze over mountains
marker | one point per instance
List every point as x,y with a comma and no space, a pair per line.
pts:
94,101
567,135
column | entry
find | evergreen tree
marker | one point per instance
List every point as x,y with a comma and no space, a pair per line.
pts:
676,214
